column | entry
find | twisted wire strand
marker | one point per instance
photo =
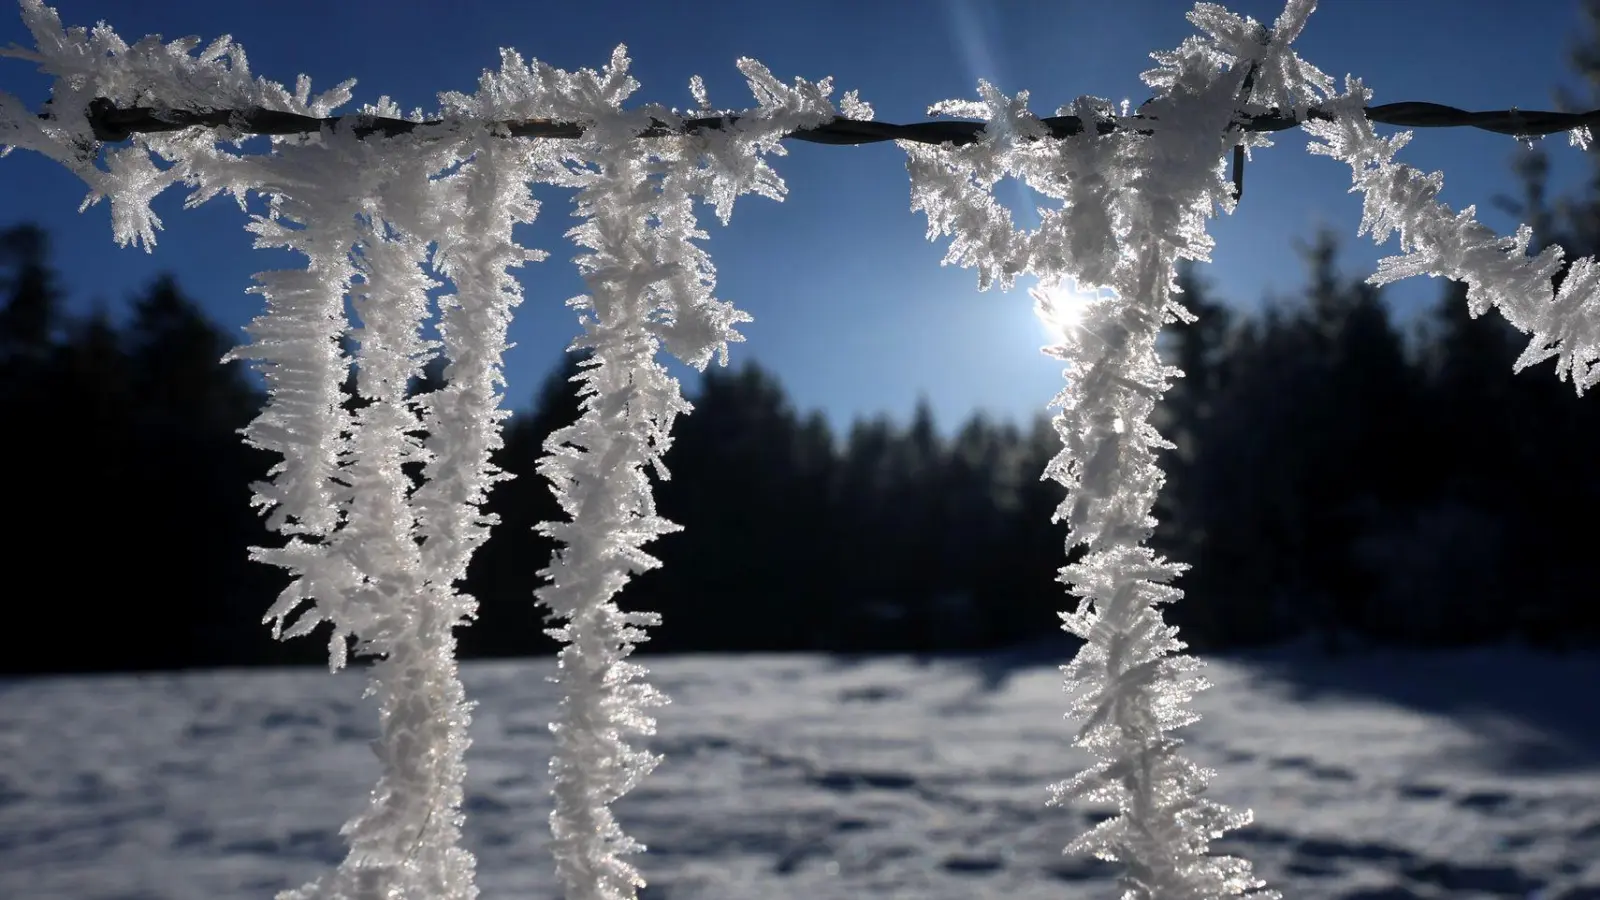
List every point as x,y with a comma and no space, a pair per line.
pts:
114,124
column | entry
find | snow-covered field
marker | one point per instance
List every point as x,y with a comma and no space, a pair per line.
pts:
1458,774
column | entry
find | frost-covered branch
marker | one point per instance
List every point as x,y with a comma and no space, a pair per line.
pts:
1438,241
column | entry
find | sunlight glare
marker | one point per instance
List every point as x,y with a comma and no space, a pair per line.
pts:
1060,308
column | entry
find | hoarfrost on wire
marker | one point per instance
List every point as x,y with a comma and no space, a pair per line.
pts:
1133,202
1435,240
370,553
650,286
386,223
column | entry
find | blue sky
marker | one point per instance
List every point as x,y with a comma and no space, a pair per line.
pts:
852,309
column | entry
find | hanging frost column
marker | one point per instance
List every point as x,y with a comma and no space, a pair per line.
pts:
487,196
368,577
649,285
359,212
385,575
1132,206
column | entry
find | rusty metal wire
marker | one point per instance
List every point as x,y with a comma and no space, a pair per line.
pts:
113,124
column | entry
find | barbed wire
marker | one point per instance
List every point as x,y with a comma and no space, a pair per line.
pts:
113,124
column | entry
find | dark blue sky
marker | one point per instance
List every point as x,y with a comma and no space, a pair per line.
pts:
851,307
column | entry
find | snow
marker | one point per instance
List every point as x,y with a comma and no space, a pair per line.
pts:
1460,774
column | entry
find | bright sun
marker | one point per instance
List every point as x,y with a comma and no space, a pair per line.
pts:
1060,307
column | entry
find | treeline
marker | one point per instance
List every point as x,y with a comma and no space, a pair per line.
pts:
131,521
1333,478
888,538
127,498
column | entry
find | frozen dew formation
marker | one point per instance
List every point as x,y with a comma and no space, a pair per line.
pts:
403,230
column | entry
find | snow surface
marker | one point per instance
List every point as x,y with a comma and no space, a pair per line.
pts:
1379,775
